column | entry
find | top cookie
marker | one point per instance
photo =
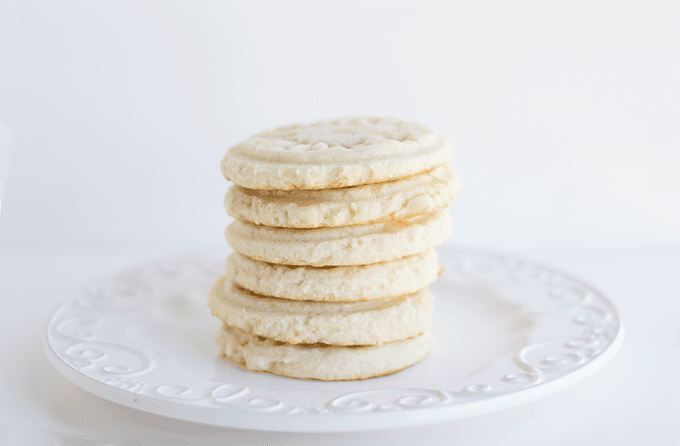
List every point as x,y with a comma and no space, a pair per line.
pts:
328,154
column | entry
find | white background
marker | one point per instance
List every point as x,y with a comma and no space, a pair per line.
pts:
565,117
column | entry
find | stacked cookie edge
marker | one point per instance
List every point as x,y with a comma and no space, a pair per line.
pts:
329,283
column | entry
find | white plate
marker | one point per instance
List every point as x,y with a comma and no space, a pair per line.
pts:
507,332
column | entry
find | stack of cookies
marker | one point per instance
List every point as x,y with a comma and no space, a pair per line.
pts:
335,230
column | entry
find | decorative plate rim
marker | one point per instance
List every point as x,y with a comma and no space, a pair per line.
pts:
535,374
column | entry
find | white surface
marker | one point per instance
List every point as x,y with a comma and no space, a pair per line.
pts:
563,115
634,399
508,332
564,118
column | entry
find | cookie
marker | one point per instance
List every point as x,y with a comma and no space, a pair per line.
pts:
335,153
419,194
336,323
346,245
334,234
320,361
384,280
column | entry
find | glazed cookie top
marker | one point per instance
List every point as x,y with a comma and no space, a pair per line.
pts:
335,153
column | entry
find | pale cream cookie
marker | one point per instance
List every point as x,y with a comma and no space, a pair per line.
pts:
346,245
336,323
419,194
335,153
382,280
320,361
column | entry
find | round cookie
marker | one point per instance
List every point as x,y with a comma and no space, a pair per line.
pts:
335,153
382,280
419,194
319,361
346,245
335,323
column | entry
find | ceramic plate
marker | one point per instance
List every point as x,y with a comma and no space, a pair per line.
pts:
508,331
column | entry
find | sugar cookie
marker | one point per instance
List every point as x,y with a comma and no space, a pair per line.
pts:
335,153
419,194
384,280
336,323
346,245
319,361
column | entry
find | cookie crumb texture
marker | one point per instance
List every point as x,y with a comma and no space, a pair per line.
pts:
346,245
335,153
319,361
335,234
420,194
336,323
377,281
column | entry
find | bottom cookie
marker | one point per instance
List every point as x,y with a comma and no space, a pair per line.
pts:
320,361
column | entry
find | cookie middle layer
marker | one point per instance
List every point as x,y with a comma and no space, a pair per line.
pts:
408,197
347,245
384,280
335,323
